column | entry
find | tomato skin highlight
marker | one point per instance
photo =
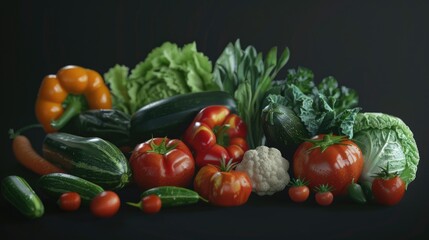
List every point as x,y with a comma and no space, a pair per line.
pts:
299,193
324,198
388,191
223,188
162,162
69,201
151,204
336,166
105,205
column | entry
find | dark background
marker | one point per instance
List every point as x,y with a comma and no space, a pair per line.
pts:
379,48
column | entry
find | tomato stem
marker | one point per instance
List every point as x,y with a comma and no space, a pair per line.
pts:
327,141
161,148
134,204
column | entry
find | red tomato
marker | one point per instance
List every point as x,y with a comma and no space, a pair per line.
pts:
223,187
298,191
105,204
328,159
151,204
388,191
162,162
69,201
324,198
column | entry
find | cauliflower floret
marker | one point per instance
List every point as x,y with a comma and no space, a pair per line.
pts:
267,170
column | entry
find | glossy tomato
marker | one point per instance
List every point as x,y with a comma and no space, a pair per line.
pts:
105,204
388,188
328,159
69,201
151,204
222,186
162,162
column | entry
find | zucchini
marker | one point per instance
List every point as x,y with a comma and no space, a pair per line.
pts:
55,184
109,124
19,193
170,117
93,159
283,129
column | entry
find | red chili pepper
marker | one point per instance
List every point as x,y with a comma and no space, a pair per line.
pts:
217,134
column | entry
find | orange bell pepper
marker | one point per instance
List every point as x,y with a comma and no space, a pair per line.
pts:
72,90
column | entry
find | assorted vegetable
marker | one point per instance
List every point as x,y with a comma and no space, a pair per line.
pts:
222,186
267,170
323,108
93,159
19,193
162,162
194,133
105,204
298,191
328,159
174,196
69,201
248,77
29,158
386,140
216,134
171,116
388,188
167,71
56,184
64,95
324,196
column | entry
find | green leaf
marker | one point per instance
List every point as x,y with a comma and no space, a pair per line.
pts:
117,79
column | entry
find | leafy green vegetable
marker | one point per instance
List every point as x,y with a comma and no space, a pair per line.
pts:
248,77
166,71
386,140
322,108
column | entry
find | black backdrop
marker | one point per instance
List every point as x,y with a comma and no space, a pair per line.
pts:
379,48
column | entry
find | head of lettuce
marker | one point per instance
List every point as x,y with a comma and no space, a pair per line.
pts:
167,71
386,140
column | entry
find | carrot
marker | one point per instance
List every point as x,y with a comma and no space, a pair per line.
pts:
29,158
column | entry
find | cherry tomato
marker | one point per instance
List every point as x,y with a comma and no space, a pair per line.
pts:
69,201
328,159
105,204
162,162
324,196
151,204
223,186
298,190
388,191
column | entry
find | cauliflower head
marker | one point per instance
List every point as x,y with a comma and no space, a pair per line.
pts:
267,170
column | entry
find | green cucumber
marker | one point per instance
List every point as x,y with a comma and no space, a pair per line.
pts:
20,194
170,117
93,159
282,128
174,196
55,184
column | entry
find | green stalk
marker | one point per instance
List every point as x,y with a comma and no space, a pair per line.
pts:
73,105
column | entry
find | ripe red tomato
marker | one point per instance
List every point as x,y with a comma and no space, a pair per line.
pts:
299,193
328,159
222,186
105,204
162,162
324,198
151,204
69,201
388,191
